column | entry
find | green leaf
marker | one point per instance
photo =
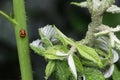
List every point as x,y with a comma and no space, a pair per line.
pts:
105,57
89,63
56,52
49,69
64,38
78,64
89,53
38,50
81,4
47,42
45,39
101,53
93,74
52,56
116,74
62,70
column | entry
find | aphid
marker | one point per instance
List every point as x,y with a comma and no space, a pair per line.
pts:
22,33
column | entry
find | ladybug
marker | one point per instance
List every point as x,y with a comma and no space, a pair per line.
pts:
22,33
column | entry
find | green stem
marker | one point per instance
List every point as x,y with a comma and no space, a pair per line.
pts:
96,22
22,42
8,17
89,38
96,18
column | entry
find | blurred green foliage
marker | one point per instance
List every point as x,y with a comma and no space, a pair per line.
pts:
70,19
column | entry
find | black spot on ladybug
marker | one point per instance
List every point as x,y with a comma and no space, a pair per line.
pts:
22,33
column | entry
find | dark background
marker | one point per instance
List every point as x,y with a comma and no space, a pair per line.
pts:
71,20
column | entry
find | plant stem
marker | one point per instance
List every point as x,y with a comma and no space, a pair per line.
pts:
96,12
22,43
8,17
89,38
96,22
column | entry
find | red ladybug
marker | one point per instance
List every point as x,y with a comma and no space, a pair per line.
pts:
22,33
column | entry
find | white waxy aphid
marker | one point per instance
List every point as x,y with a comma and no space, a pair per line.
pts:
109,72
37,43
96,4
48,31
115,56
102,43
114,9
